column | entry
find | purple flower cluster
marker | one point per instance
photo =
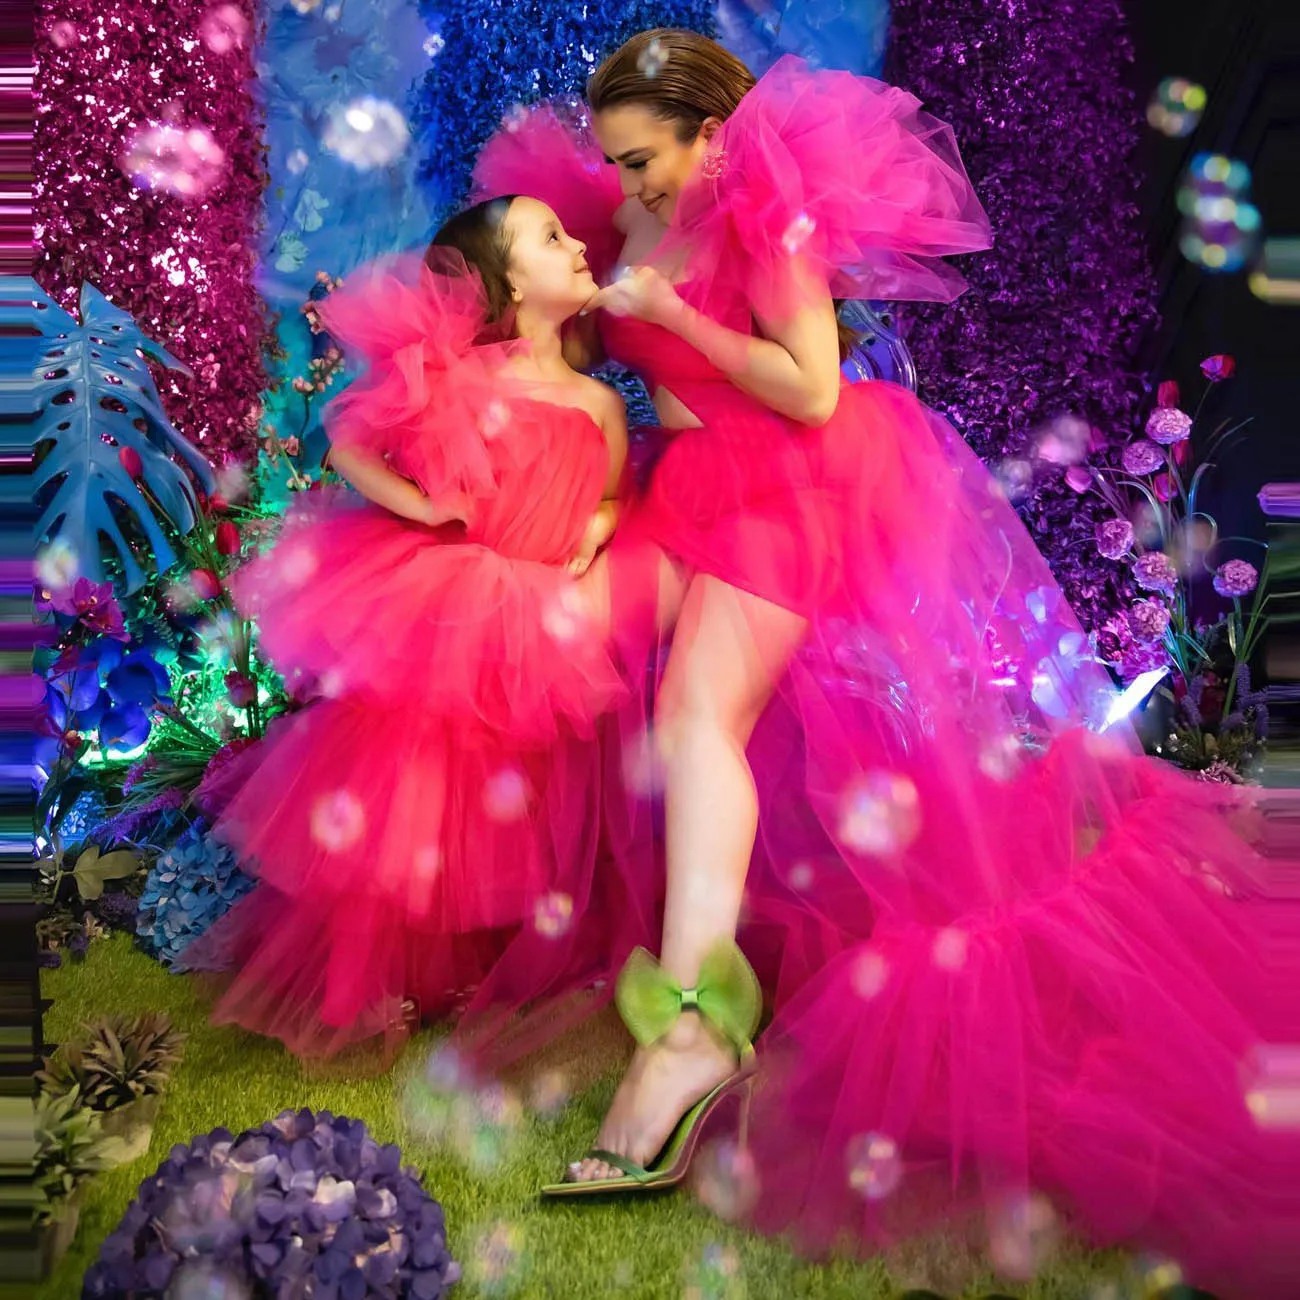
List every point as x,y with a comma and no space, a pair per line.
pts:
1148,619
307,1204
1141,458
1058,307
1155,571
1115,538
1168,425
1236,578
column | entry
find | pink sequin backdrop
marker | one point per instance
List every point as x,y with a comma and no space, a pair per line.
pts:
163,91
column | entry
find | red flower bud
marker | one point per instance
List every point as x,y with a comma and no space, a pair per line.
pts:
1167,394
227,538
218,504
1164,487
130,461
206,584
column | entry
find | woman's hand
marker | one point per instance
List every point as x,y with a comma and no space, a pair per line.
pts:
641,292
600,528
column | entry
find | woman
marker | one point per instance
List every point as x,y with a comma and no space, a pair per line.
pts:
879,724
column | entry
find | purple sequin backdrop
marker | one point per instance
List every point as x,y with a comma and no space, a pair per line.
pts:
183,268
1056,311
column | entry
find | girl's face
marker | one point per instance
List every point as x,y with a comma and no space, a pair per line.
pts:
653,164
548,268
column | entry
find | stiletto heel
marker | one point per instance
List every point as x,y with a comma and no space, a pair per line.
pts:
650,1002
746,1100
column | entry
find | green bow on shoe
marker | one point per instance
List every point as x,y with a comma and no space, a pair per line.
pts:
651,1001
726,994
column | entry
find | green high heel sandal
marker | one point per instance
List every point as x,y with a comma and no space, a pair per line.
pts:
650,1001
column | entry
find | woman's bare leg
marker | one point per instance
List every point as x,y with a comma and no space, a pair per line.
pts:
731,649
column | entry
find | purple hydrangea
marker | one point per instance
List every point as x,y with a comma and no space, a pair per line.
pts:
1235,578
1155,571
305,1204
1142,457
1168,425
1149,620
1114,538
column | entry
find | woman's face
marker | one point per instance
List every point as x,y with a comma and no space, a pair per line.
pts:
653,164
548,267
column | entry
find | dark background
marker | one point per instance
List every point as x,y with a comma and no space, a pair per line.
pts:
1246,53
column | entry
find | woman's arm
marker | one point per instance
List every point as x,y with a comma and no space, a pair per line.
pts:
582,348
370,475
794,369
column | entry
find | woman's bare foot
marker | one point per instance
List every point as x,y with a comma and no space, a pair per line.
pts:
662,1083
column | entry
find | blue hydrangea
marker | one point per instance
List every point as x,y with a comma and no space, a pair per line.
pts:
83,817
191,886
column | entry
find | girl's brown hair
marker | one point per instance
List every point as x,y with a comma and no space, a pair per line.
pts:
479,235
682,78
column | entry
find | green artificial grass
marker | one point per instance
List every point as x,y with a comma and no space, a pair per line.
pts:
486,1176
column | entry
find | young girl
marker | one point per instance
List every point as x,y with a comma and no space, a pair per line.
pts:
408,821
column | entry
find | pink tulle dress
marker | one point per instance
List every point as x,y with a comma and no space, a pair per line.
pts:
405,823
1015,967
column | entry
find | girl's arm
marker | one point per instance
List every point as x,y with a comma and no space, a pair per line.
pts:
371,476
600,528
794,369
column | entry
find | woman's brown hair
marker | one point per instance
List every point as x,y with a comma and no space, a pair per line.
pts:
682,78
479,235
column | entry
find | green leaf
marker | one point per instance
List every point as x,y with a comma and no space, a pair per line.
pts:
92,870
92,381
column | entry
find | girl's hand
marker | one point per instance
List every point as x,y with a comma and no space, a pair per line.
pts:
641,292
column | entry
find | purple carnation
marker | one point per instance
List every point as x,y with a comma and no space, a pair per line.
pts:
1149,620
1114,538
1155,571
1142,457
1167,425
1235,578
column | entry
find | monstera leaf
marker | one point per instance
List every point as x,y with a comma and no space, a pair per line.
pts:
96,396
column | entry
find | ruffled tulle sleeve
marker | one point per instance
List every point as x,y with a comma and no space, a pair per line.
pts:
845,171
432,360
540,154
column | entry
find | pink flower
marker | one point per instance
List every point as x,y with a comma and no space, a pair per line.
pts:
241,690
1235,578
1155,571
130,461
1142,457
1220,366
1168,425
93,605
206,584
290,445
1148,619
1167,394
1114,538
1079,477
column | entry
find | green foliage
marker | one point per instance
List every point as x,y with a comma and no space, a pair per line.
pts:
117,1060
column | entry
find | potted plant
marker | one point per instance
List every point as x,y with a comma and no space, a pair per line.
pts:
70,1146
118,1067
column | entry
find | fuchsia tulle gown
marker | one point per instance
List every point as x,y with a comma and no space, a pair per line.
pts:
1009,957
406,822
